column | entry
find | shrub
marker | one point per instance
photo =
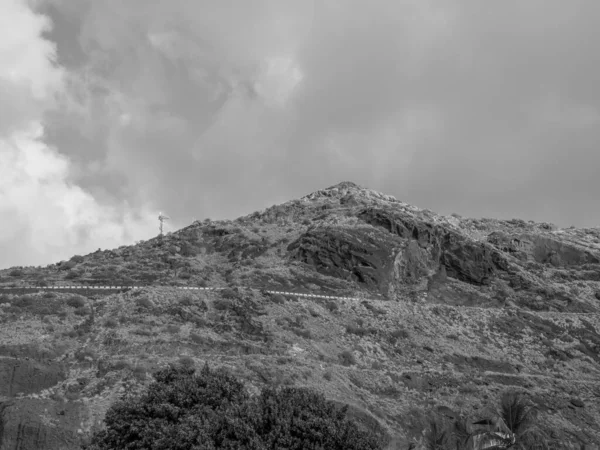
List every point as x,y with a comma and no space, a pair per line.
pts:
49,295
313,312
111,323
278,298
347,358
83,354
71,275
186,301
77,259
23,302
196,338
222,304
399,333
15,273
359,331
75,302
144,302
186,361
306,334
68,265
229,293
82,311
332,306
212,409
143,331
173,329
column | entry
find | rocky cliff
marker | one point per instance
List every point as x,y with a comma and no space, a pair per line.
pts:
447,313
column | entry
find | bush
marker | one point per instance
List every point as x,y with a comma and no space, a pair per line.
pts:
76,302
353,329
72,275
144,302
347,358
212,410
197,339
399,333
111,323
82,311
332,306
186,301
175,329
222,304
278,298
23,302
67,265
306,334
77,259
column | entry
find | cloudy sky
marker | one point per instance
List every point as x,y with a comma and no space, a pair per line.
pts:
112,110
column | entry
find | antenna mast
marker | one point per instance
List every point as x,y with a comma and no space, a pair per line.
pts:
161,219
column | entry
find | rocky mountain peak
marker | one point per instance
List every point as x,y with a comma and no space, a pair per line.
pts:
348,191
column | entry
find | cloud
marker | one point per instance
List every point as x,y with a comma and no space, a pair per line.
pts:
216,109
45,216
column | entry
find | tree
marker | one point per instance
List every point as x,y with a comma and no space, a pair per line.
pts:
183,410
520,418
437,436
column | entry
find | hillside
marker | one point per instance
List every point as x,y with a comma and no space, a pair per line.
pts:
445,314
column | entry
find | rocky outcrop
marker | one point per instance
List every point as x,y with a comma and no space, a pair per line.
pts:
349,254
463,259
543,249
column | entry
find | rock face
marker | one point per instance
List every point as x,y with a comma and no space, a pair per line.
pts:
357,254
542,249
393,248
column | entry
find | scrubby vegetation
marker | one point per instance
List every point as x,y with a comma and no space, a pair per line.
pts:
212,410
512,424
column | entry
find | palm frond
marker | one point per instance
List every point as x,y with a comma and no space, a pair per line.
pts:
516,413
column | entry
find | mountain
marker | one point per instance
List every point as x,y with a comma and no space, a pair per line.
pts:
444,314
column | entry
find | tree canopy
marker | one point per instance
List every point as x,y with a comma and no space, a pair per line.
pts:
185,410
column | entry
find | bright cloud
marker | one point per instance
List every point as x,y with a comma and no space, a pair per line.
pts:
46,218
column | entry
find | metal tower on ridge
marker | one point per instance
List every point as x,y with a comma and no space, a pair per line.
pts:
162,218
